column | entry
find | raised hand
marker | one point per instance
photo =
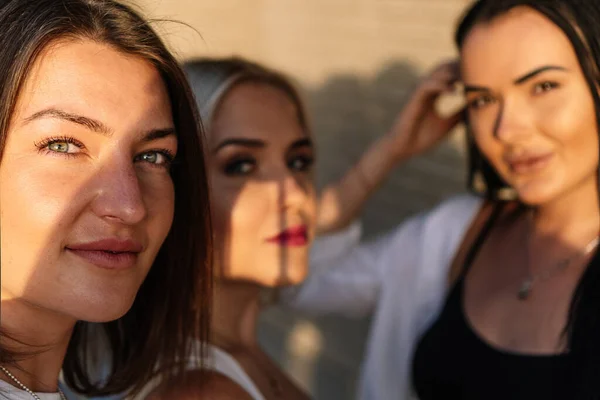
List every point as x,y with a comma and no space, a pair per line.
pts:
419,126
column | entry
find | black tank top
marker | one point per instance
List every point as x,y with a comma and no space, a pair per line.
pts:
452,362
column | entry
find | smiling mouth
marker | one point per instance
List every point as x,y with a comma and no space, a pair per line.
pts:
107,259
530,165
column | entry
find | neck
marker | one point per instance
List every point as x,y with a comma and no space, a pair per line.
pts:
39,338
571,217
235,313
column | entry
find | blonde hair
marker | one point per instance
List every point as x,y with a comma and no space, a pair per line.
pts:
212,79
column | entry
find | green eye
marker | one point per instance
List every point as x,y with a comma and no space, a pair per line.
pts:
156,158
150,157
59,147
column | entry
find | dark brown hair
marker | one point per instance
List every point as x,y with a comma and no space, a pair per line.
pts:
578,19
172,307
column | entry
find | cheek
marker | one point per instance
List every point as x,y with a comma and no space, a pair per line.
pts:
310,209
570,124
240,212
35,206
481,127
491,149
574,126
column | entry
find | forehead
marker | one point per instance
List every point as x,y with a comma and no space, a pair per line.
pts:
95,80
257,111
514,44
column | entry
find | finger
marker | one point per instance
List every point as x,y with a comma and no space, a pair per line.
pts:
449,123
446,69
451,64
429,91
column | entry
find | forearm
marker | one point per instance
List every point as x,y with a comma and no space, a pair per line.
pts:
417,129
342,201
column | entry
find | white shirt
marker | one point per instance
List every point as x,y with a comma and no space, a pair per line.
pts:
400,278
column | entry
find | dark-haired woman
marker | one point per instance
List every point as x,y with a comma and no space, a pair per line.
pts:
103,201
496,298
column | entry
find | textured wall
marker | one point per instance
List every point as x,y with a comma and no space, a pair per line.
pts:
356,61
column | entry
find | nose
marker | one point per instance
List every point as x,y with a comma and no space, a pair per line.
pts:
119,197
512,121
293,193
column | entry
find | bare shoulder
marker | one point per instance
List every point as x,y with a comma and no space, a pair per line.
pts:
205,385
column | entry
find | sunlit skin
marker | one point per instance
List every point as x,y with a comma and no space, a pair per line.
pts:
261,175
532,115
87,158
531,110
260,170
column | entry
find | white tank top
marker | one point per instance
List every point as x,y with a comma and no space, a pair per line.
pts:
225,364
8,391
218,361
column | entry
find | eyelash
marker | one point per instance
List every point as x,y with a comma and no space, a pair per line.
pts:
168,154
307,160
473,103
552,85
43,147
543,87
230,167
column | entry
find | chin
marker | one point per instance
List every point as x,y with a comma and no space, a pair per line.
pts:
293,275
538,193
534,199
101,307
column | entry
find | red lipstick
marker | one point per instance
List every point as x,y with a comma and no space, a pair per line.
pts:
108,253
294,236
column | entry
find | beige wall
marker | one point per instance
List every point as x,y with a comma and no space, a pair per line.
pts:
313,39
355,61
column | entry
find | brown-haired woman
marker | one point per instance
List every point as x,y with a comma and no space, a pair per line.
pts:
104,207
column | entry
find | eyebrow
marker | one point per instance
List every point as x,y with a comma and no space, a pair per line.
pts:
94,125
256,143
518,81
537,71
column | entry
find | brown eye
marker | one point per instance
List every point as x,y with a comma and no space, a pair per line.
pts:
544,87
240,167
480,102
301,163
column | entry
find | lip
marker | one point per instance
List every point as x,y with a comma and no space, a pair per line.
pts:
109,253
529,163
294,236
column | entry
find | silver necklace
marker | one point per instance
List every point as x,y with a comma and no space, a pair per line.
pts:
526,286
25,388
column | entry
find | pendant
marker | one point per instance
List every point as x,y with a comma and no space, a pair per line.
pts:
525,289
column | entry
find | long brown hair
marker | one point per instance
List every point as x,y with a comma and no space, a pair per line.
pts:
172,307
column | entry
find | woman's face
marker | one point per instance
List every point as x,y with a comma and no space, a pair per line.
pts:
263,195
530,108
86,198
